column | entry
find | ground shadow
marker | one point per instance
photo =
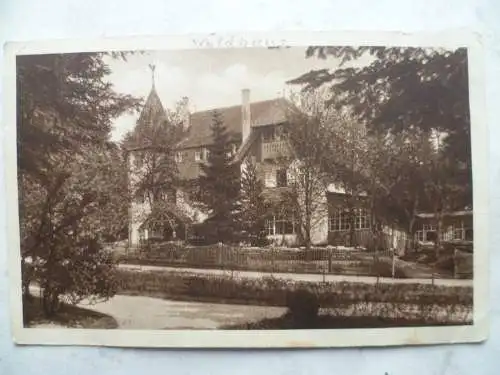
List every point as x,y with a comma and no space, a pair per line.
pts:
335,322
68,316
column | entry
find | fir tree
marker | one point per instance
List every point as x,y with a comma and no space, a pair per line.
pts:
254,208
72,180
220,184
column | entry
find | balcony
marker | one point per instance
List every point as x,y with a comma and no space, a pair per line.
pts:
276,149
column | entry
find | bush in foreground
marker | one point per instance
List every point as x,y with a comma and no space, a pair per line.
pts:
303,307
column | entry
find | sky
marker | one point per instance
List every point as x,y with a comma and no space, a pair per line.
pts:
210,78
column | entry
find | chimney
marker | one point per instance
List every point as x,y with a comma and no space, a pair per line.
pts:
245,114
185,113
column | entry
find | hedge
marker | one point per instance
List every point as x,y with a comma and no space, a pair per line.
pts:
272,291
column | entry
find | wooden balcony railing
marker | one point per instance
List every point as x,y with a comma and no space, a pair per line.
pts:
273,150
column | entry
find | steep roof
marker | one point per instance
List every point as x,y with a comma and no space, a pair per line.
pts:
153,111
152,114
267,112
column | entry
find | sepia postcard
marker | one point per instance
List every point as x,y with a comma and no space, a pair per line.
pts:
265,190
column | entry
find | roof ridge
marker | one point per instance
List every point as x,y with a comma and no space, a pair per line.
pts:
236,106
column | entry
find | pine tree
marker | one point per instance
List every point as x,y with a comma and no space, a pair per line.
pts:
254,208
220,184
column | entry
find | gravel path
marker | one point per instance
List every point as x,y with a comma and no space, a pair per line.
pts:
137,312
148,313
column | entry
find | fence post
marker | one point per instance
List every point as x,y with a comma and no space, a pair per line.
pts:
272,259
219,256
455,263
393,263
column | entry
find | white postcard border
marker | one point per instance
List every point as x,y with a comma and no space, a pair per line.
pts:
476,332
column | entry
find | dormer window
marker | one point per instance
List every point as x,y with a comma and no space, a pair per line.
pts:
197,155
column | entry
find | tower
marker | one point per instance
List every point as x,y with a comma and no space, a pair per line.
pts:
153,114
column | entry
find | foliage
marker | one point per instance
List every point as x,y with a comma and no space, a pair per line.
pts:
64,102
406,97
401,87
153,171
254,208
71,178
273,292
220,184
303,307
308,123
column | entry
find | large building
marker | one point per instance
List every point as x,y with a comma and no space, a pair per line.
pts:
258,133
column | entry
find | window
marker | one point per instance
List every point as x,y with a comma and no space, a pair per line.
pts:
268,134
281,177
270,227
284,226
280,133
340,220
202,154
427,234
179,156
361,220
280,225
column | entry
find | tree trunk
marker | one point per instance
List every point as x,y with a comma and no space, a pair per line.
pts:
411,225
439,224
411,243
50,300
352,229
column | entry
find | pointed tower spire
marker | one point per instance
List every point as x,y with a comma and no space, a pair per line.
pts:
153,113
153,68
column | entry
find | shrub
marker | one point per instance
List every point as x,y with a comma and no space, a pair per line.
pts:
273,291
303,307
79,270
